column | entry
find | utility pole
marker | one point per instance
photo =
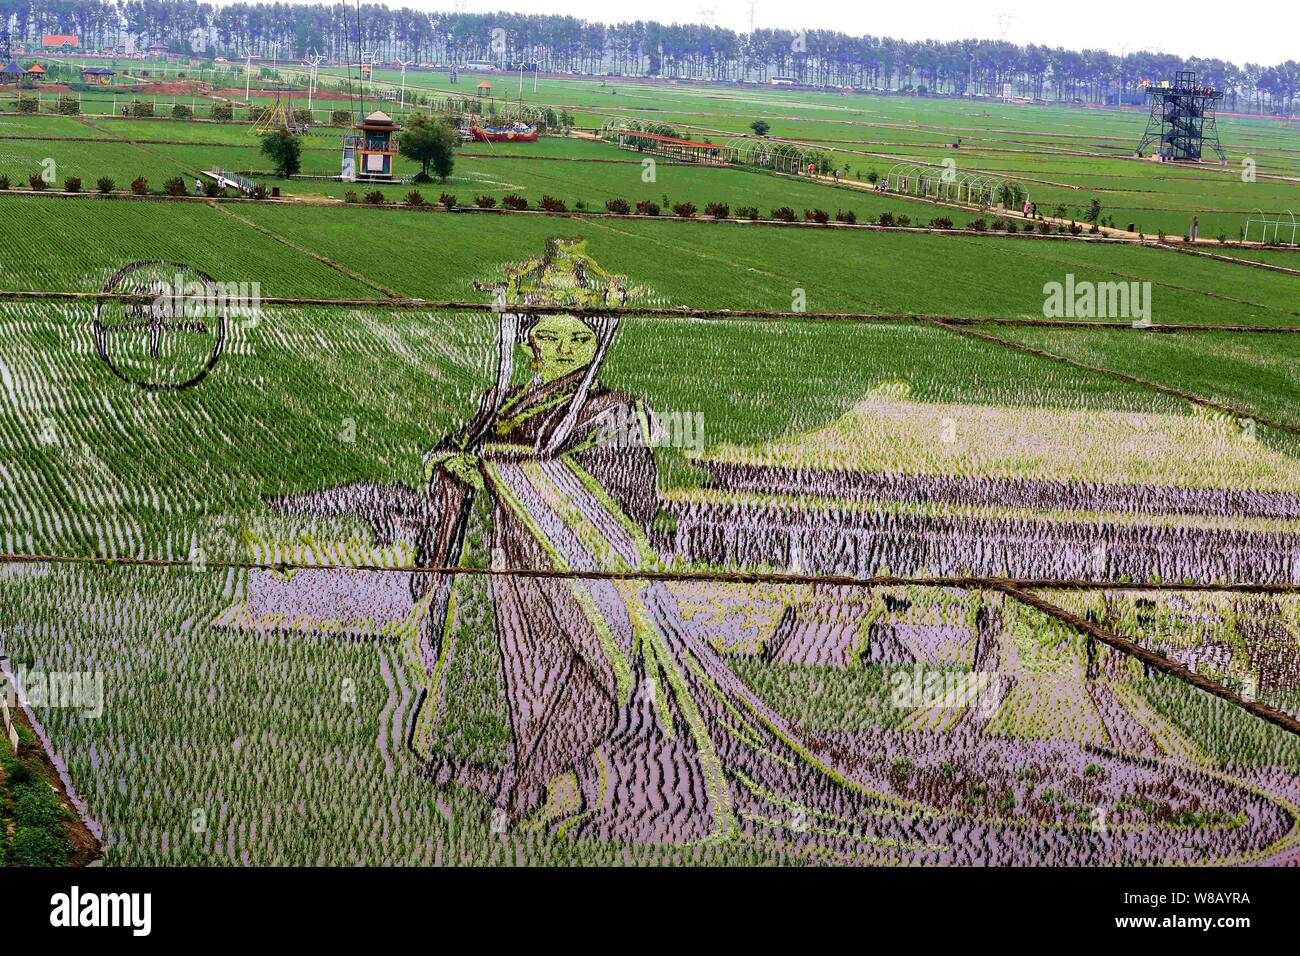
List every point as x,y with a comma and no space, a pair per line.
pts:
248,73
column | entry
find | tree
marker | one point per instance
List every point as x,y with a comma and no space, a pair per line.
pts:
760,127
284,150
429,142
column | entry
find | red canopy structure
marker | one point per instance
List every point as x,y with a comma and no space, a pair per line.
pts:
684,149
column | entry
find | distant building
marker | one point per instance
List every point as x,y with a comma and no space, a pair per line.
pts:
59,41
782,81
97,74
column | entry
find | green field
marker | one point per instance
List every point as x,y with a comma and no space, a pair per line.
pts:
1064,157
1168,448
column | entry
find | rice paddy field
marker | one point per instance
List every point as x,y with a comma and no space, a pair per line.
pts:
452,536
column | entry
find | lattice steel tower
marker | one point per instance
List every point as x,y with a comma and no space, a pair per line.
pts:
1182,119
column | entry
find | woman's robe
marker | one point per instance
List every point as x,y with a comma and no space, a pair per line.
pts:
625,723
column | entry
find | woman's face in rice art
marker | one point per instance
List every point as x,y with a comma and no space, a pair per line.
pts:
561,344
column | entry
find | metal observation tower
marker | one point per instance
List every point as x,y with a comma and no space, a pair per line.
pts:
1182,119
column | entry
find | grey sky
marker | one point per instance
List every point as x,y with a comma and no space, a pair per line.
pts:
1264,31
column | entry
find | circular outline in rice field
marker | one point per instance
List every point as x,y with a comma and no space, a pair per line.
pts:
157,326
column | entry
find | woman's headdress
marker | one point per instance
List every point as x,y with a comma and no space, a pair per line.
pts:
564,275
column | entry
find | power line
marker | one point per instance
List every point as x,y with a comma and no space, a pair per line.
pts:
671,312
963,582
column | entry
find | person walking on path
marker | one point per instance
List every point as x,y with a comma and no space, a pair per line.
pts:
1195,227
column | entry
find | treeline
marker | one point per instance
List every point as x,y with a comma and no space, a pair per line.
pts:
645,48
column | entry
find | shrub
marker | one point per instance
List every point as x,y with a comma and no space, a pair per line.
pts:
551,204
175,186
618,205
340,118
415,198
140,186
374,198
718,210
33,846
213,189
580,205
978,225
816,215
105,184
35,805
1094,230
746,212
28,104
903,221
1012,227
1075,229
514,201
449,199
68,106
940,222
260,192
485,202
4,182
142,108
783,214
223,112
647,207
873,176
846,215
1044,227
886,219
181,111
72,184
302,116
684,210
349,196
37,182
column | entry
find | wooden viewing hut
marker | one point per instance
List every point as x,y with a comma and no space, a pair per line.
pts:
485,88
97,74
11,73
36,72
371,149
686,150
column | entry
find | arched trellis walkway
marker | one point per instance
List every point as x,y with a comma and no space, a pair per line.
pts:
942,183
777,155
